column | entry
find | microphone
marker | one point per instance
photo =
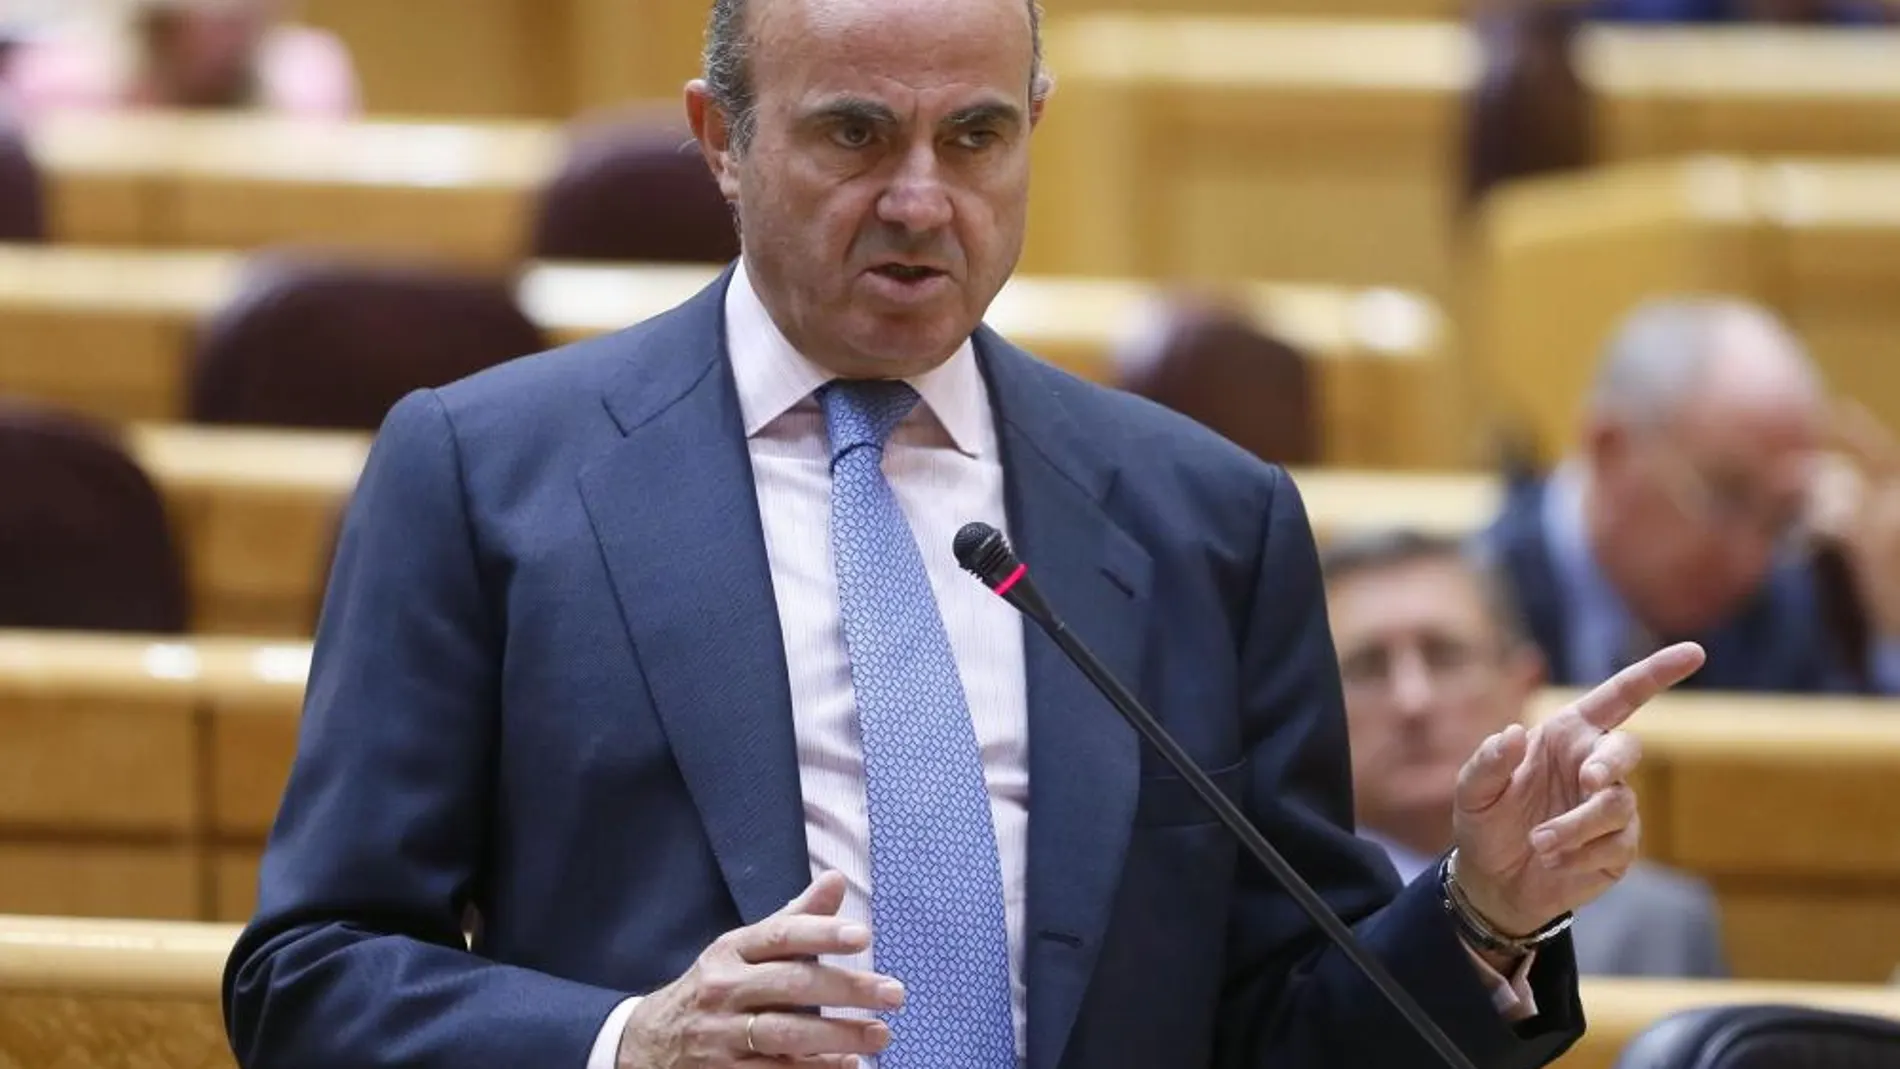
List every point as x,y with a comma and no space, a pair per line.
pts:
985,553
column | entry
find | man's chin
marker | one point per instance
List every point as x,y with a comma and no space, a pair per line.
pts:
912,344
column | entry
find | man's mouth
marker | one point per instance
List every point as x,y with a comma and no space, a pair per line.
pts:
906,272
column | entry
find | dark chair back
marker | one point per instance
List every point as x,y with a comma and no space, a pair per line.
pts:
634,190
1529,112
84,539
1765,1037
333,344
1214,366
22,193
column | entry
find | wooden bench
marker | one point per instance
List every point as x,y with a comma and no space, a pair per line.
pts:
256,512
91,992
110,782
112,994
169,180
1329,150
1386,381
1563,259
180,750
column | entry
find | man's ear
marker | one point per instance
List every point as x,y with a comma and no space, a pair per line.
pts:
1039,96
714,134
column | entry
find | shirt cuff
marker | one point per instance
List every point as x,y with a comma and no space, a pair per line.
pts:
1512,997
607,1044
1885,666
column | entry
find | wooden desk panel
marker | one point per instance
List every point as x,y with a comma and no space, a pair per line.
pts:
1330,149
459,191
112,994
1771,931
85,992
253,745
99,879
1198,148
115,773
257,514
235,881
94,745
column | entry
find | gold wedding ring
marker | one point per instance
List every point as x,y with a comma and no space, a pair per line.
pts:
751,1019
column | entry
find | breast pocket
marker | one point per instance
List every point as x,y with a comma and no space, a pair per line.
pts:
1169,800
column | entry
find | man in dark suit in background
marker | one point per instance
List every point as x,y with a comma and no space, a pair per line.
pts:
1434,659
1709,460
650,657
1804,12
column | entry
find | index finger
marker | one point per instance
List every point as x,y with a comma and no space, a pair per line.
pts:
799,936
1608,706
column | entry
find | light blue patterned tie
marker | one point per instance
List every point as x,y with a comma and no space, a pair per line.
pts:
936,882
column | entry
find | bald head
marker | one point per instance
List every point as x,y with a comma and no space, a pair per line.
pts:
728,62
1718,352
1702,428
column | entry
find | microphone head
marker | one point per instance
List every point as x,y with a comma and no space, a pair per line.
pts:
984,552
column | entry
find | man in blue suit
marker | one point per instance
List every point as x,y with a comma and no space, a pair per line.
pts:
647,663
1690,510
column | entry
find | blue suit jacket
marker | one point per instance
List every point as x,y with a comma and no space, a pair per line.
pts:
1775,642
549,690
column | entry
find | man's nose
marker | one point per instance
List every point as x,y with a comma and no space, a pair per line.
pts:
1413,687
916,198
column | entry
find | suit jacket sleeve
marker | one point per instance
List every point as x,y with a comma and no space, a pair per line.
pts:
1291,999
357,955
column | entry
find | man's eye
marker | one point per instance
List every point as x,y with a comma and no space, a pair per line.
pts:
852,135
977,140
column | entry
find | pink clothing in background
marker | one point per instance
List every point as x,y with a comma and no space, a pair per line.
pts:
301,71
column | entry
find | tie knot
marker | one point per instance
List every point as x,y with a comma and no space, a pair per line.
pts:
863,412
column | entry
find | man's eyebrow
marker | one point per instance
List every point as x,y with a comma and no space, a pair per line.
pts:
852,109
988,113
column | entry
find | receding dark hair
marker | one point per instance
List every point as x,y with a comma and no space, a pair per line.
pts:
728,66
1358,553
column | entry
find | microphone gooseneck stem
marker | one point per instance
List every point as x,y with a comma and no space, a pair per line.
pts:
1250,837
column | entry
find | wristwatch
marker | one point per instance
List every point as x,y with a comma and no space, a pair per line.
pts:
1478,930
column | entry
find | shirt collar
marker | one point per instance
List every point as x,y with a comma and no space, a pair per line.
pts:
773,377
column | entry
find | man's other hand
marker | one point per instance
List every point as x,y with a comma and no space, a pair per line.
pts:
751,997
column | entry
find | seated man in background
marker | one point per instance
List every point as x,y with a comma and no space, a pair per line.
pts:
1690,508
184,54
1800,12
1433,662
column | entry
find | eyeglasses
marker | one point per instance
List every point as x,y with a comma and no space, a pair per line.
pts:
1450,663
1725,504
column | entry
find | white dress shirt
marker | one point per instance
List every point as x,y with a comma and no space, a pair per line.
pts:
943,465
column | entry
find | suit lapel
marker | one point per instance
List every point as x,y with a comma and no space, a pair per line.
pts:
1084,759
677,517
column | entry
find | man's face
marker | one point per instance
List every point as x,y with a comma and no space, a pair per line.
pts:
883,195
1693,512
1428,677
206,52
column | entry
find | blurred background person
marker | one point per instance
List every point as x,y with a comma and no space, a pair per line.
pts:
199,54
1434,662
1686,509
1809,12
